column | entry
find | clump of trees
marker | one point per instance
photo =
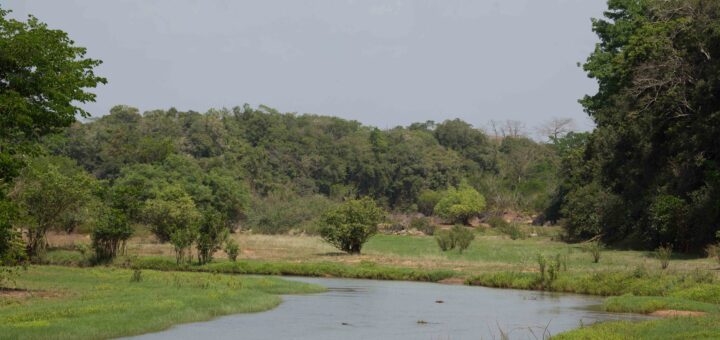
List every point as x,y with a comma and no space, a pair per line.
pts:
648,175
352,224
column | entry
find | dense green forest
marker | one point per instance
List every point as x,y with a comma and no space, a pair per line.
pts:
248,163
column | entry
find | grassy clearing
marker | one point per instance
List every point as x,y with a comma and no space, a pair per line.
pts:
97,303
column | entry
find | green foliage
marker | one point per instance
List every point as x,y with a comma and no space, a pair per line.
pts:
172,210
650,170
595,249
457,237
427,201
511,229
460,205
212,234
279,213
110,234
349,226
182,240
423,224
52,193
44,77
445,240
462,237
232,249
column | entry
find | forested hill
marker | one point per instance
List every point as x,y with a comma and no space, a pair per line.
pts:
272,153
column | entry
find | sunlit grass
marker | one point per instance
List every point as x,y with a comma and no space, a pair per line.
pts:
99,303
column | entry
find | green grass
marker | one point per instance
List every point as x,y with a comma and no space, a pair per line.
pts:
363,270
698,286
100,302
649,304
706,327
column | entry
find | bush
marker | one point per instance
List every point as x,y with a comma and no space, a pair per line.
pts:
444,240
211,236
349,226
182,240
427,201
110,235
232,249
460,205
423,224
511,229
595,249
462,237
713,251
457,237
663,254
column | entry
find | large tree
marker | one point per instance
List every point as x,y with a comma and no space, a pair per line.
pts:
656,151
43,78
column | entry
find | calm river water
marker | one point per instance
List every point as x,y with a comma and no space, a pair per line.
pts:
368,309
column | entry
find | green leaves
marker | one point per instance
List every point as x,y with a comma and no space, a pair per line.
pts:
349,226
460,205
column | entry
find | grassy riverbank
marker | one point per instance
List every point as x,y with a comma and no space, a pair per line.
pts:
633,279
98,303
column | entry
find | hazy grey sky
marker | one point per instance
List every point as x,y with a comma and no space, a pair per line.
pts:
384,63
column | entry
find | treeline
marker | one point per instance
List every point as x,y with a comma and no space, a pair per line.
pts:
275,171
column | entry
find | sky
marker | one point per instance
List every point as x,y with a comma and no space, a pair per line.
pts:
383,63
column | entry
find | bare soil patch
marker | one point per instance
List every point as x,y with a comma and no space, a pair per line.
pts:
669,313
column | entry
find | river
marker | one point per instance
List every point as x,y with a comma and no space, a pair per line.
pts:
369,309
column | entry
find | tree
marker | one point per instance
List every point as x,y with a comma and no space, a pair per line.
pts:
51,193
556,128
655,147
110,234
460,205
212,234
349,226
43,78
171,210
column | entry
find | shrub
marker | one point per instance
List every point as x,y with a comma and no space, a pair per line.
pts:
211,236
182,240
232,249
427,201
595,249
511,229
462,237
349,226
663,254
444,240
457,237
423,224
713,251
110,234
460,205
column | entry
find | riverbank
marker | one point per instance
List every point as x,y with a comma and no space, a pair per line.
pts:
107,302
634,278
